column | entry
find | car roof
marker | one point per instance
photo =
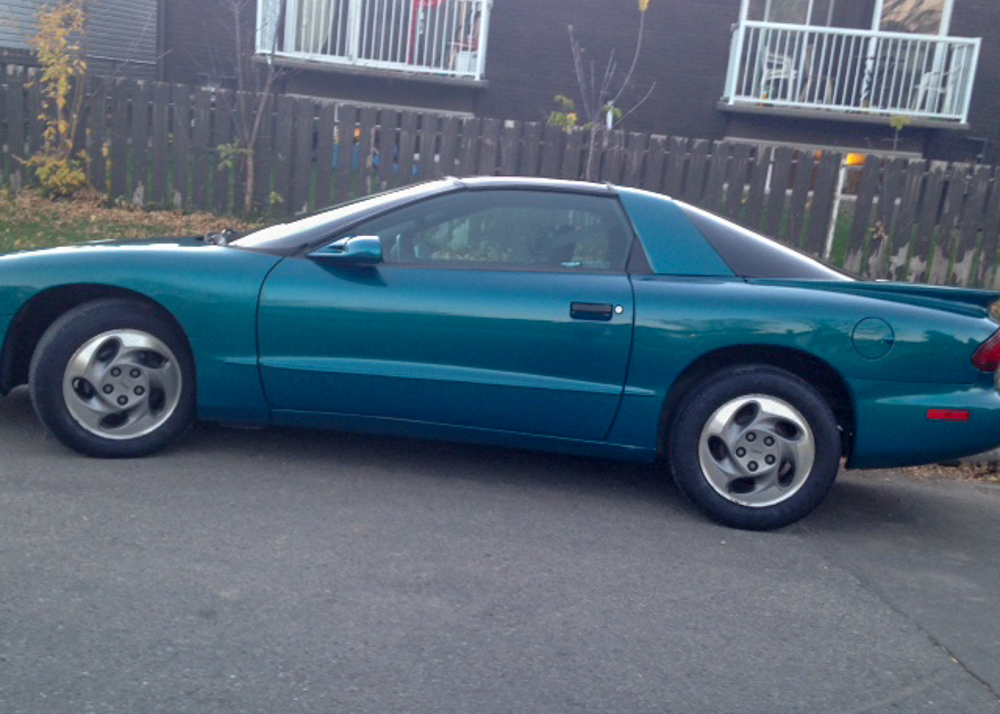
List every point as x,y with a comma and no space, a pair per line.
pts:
528,182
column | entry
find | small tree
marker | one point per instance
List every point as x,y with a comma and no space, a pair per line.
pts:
898,123
255,87
600,96
59,167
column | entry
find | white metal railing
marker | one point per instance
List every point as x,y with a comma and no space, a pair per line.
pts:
442,37
858,71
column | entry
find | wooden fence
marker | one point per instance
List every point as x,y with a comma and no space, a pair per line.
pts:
161,145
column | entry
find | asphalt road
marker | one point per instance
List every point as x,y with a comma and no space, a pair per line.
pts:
282,571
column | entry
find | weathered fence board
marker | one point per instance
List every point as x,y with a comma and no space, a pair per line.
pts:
160,144
33,111
862,211
758,187
652,174
673,182
118,128
284,134
181,145
344,151
15,132
368,124
429,129
407,146
139,139
326,124
905,221
991,236
827,177
201,145
694,183
488,147
635,153
387,142
449,148
780,174
222,141
97,132
736,181
804,167
717,167
529,143
302,154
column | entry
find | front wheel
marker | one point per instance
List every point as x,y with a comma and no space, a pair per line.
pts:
113,378
755,448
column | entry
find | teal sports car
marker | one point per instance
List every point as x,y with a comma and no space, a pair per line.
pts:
528,313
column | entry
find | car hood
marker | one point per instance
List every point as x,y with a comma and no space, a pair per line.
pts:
181,241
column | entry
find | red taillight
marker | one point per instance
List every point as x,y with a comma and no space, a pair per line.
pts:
948,414
987,357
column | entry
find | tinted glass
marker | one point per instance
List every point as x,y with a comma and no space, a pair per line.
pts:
507,229
750,255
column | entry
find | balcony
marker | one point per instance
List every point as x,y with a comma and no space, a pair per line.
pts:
848,71
439,38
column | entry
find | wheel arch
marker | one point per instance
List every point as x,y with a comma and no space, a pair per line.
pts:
35,317
818,373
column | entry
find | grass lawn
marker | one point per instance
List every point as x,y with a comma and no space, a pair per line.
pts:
32,221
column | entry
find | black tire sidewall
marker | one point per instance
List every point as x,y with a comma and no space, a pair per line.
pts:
705,398
61,341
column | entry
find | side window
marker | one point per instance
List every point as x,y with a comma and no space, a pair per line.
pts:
506,229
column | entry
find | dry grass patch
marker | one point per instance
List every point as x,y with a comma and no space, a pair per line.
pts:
32,221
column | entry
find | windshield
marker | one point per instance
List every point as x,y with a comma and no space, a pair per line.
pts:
315,227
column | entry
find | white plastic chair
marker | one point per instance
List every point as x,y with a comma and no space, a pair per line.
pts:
778,68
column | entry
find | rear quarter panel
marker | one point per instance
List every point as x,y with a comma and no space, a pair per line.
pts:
678,320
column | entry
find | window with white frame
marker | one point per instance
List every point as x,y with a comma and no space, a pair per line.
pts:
441,37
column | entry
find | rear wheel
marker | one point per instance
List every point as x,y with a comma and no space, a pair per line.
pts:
113,378
755,448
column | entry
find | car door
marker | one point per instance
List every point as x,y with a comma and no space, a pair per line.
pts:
494,309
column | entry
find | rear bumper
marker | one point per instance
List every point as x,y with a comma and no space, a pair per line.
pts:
892,427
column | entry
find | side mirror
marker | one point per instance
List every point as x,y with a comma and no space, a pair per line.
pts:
355,250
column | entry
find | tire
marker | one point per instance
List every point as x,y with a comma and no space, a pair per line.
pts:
113,378
756,448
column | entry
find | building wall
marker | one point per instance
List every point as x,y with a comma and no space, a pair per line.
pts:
977,18
121,38
199,39
17,23
683,60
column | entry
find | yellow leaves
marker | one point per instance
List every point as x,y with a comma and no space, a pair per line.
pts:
57,167
900,122
58,176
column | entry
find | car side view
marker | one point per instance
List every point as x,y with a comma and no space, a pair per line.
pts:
529,313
